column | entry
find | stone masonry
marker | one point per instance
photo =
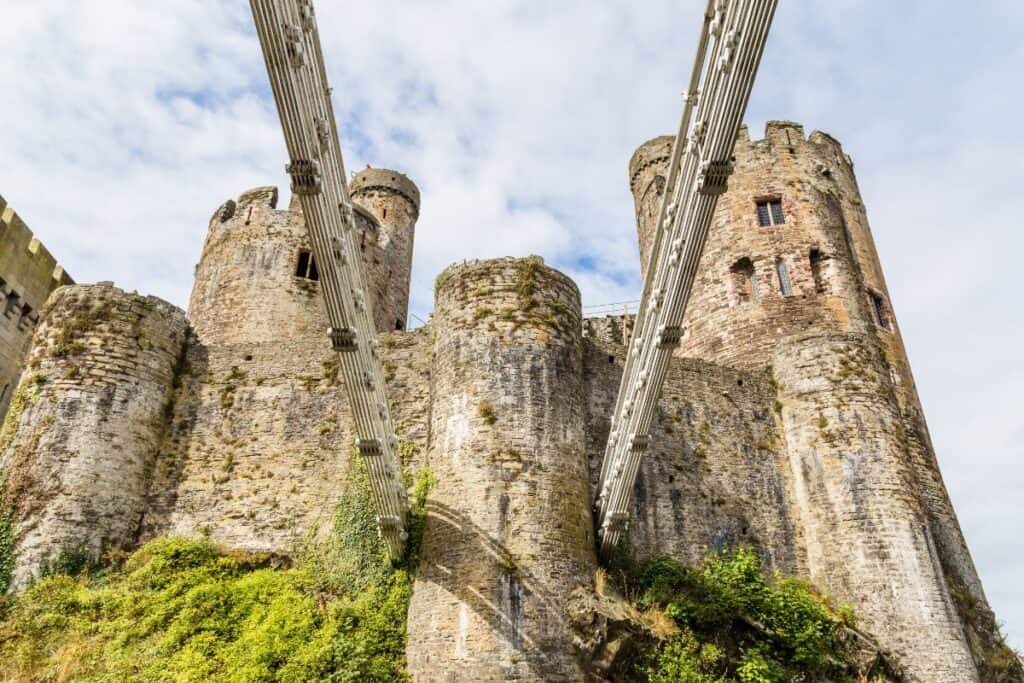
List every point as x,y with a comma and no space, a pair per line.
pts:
509,532
28,274
788,420
80,440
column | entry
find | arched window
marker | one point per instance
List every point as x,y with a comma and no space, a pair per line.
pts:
744,279
782,270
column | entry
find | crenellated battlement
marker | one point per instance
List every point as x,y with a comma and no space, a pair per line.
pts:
16,237
385,180
28,274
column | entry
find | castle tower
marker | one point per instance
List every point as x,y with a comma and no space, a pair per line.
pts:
394,201
789,264
867,540
257,280
509,531
84,428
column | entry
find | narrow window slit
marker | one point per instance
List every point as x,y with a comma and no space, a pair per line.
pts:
785,284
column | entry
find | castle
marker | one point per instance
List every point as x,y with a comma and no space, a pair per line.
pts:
789,419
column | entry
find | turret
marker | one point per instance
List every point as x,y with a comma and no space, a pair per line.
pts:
509,532
647,171
394,201
257,279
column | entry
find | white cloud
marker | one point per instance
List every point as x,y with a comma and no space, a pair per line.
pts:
127,123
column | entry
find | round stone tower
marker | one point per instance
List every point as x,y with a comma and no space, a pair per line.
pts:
789,258
257,280
867,540
394,201
78,445
509,531
647,170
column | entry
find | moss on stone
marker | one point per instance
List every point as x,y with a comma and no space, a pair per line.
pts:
331,367
68,340
26,395
7,542
996,660
487,412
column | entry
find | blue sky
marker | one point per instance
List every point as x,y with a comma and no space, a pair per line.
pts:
127,123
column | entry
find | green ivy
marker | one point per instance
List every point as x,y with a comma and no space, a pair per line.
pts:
186,610
6,546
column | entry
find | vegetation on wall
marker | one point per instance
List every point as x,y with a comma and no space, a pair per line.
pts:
6,543
182,609
726,621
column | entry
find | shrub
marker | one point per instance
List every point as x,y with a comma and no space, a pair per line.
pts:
736,624
182,609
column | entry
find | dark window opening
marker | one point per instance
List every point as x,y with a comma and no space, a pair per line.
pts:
384,214
25,310
785,284
745,281
769,212
306,266
399,326
11,304
881,311
611,359
817,262
303,265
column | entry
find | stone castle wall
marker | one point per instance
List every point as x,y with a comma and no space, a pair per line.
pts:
716,474
254,282
738,309
28,274
84,429
509,532
261,435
